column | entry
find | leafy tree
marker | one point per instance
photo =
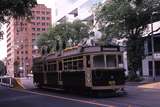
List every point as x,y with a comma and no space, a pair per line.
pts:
74,31
58,37
16,67
15,9
2,68
44,43
128,19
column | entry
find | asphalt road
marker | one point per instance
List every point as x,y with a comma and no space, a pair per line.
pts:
136,97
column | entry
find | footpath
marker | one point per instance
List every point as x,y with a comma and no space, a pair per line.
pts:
25,83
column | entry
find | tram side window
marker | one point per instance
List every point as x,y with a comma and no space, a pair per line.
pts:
55,67
111,60
60,65
80,64
120,60
75,65
52,67
98,61
69,65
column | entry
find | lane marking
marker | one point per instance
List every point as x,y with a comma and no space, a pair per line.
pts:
66,98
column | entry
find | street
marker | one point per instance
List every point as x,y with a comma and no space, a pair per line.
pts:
136,97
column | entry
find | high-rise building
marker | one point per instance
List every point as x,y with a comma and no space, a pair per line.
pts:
76,9
21,39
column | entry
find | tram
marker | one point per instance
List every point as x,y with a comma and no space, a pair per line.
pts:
96,68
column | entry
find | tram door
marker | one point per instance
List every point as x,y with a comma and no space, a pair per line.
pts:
59,73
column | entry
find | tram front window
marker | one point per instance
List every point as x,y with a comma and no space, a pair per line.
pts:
98,61
111,60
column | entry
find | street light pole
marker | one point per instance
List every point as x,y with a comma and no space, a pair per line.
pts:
152,43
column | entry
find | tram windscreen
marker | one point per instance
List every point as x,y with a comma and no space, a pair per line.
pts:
111,60
98,61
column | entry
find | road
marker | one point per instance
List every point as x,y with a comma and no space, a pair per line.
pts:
136,97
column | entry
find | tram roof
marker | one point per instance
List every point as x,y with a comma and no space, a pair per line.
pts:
77,50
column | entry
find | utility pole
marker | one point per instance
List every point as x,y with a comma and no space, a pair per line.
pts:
152,43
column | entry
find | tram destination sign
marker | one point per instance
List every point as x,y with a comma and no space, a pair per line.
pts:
109,49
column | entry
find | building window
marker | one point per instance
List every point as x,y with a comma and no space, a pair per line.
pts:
33,34
21,52
48,18
38,12
43,18
33,23
48,13
38,23
43,24
21,46
17,52
33,29
38,18
38,29
33,40
43,29
17,58
43,12
26,52
47,24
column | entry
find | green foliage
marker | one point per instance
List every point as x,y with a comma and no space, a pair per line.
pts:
128,19
135,53
15,9
2,68
58,37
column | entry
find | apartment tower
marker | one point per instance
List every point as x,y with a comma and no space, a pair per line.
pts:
21,40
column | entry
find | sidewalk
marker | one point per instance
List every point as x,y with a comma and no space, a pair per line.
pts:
153,85
26,82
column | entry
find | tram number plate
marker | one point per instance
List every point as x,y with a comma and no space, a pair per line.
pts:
112,82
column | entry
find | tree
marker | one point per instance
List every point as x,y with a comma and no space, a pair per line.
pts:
74,31
15,9
128,19
2,68
59,36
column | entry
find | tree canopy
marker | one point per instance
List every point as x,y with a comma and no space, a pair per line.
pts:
64,35
125,18
15,9
2,68
128,19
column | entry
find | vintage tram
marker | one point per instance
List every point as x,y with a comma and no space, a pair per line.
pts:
96,68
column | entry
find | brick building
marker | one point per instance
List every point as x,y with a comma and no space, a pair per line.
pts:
21,40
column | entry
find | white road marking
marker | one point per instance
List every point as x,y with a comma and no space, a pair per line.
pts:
66,98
